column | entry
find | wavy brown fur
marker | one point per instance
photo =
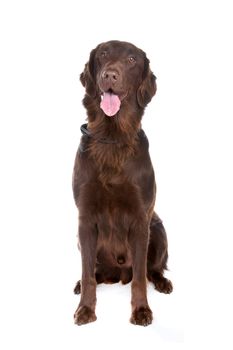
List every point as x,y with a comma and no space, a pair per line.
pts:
123,129
120,237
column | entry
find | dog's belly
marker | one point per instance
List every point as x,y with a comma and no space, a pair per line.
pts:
113,238
113,210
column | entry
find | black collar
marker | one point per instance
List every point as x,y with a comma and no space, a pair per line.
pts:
85,131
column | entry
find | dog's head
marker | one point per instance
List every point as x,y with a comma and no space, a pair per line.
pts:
118,72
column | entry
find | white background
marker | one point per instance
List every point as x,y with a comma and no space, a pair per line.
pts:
44,46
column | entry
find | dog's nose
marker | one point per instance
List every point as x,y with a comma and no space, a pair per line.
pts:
110,76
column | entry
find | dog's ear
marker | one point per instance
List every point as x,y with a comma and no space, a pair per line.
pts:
148,87
87,77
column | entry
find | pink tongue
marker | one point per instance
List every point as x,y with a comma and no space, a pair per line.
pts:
110,104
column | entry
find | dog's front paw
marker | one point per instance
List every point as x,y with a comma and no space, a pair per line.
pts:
83,315
142,316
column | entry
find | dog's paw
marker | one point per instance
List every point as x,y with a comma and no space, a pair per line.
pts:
83,315
77,288
163,285
141,316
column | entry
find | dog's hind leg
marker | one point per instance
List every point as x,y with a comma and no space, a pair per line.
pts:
77,288
157,256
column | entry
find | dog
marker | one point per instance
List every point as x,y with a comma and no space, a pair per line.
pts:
121,238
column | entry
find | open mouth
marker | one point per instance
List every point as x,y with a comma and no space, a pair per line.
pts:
110,102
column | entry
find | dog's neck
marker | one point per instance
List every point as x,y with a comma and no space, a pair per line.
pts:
123,132
123,128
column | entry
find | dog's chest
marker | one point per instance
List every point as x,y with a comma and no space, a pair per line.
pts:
116,201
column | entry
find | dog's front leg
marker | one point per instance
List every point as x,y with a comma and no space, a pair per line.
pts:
141,312
85,312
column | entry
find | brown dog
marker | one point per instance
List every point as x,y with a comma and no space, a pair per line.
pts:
120,236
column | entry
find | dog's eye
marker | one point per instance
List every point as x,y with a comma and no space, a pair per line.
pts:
131,59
